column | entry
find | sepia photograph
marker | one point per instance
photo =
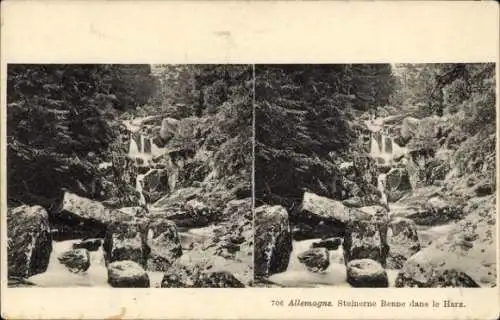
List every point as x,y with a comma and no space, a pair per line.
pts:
375,175
304,159
129,176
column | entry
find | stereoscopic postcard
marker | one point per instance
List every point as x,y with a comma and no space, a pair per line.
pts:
249,160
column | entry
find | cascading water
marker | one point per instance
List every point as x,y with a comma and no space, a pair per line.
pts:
139,187
381,183
155,150
137,149
57,275
297,274
133,149
385,151
381,148
142,149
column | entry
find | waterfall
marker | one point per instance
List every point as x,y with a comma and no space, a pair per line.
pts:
155,150
374,148
133,148
379,150
381,183
142,149
384,149
139,187
386,152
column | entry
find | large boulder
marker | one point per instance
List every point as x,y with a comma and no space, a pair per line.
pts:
432,205
316,259
127,241
323,209
320,217
379,216
163,243
366,273
273,241
437,210
397,184
85,217
155,184
127,274
29,242
366,236
169,128
466,257
181,276
409,127
185,208
76,260
219,279
403,242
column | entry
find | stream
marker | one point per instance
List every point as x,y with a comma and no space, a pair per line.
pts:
297,274
58,275
384,151
142,149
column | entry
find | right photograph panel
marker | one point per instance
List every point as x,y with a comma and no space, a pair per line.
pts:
375,175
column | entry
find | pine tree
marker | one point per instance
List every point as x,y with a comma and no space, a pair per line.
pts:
305,124
61,121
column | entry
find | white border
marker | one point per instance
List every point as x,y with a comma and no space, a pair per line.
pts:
239,32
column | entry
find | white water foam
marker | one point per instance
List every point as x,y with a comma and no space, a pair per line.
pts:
297,275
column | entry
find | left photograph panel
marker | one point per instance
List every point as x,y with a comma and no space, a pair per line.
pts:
129,175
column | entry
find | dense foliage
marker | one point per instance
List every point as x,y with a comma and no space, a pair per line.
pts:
456,106
61,124
306,125
439,88
217,100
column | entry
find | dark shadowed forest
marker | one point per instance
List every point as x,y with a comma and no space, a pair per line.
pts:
130,175
364,175
375,175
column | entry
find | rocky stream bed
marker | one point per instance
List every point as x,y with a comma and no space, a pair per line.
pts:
439,234
174,237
